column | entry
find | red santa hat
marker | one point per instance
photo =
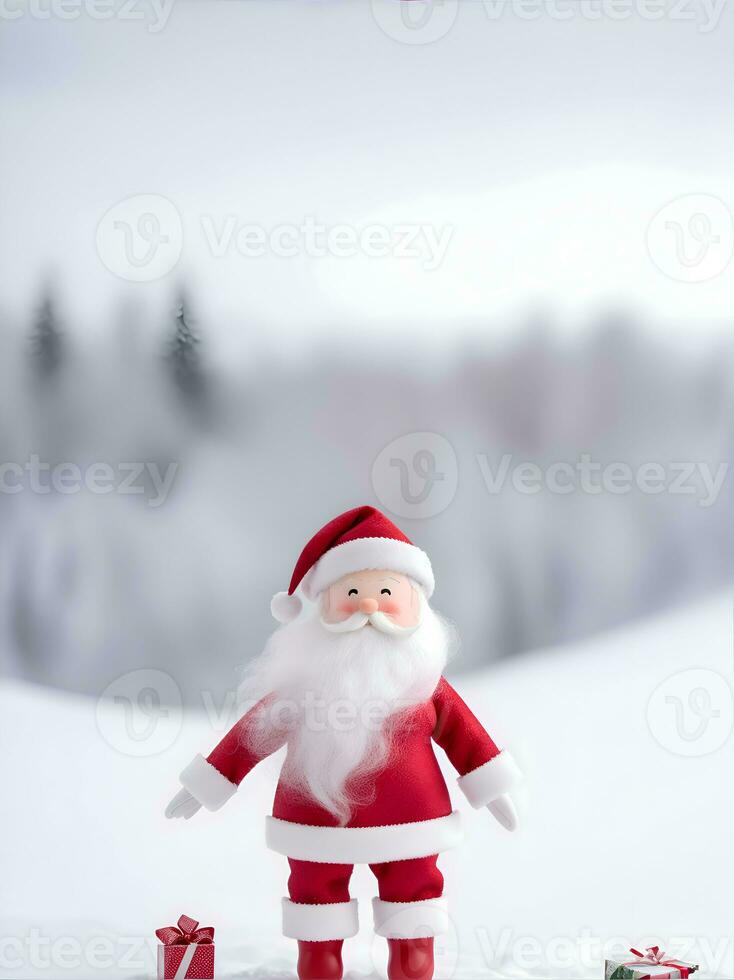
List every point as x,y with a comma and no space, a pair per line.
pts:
359,539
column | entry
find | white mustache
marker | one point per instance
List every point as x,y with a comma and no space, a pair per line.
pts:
379,620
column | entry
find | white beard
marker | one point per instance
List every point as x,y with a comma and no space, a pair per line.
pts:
334,696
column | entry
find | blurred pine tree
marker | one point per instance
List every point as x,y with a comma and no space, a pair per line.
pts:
184,356
46,338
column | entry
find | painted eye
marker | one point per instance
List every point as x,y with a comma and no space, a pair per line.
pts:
353,592
385,592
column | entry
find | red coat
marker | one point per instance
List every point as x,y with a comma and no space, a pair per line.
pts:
408,815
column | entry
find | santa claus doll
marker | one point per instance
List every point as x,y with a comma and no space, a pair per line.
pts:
351,683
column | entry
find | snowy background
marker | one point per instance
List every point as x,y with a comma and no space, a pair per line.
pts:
468,262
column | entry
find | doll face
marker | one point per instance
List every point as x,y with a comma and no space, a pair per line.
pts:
368,592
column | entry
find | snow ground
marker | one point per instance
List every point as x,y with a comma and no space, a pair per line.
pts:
624,838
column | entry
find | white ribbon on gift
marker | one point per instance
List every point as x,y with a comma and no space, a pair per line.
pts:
186,961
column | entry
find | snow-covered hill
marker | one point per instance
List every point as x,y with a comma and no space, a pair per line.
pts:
626,825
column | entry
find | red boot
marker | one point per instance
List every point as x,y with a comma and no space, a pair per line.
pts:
320,961
410,959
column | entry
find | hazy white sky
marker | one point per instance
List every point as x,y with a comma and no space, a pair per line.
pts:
517,152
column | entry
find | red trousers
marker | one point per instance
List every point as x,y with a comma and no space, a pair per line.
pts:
397,881
410,903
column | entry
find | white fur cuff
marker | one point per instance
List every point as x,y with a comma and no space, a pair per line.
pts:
206,783
320,923
493,779
411,920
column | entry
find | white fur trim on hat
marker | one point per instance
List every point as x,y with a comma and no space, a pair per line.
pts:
363,845
369,553
285,608
320,923
411,920
485,783
206,783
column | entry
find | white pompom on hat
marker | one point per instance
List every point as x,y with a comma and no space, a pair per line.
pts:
285,608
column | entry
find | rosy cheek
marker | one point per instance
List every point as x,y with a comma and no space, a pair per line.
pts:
347,606
390,606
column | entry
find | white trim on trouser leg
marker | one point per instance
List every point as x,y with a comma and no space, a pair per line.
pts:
318,923
411,920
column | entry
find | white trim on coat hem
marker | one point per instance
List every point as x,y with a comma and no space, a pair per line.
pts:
363,845
411,920
320,923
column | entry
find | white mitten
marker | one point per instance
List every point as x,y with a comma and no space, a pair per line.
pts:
183,805
504,812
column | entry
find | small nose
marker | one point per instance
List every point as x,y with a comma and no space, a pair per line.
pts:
368,606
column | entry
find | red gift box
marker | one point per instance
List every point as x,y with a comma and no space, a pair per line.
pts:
186,951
